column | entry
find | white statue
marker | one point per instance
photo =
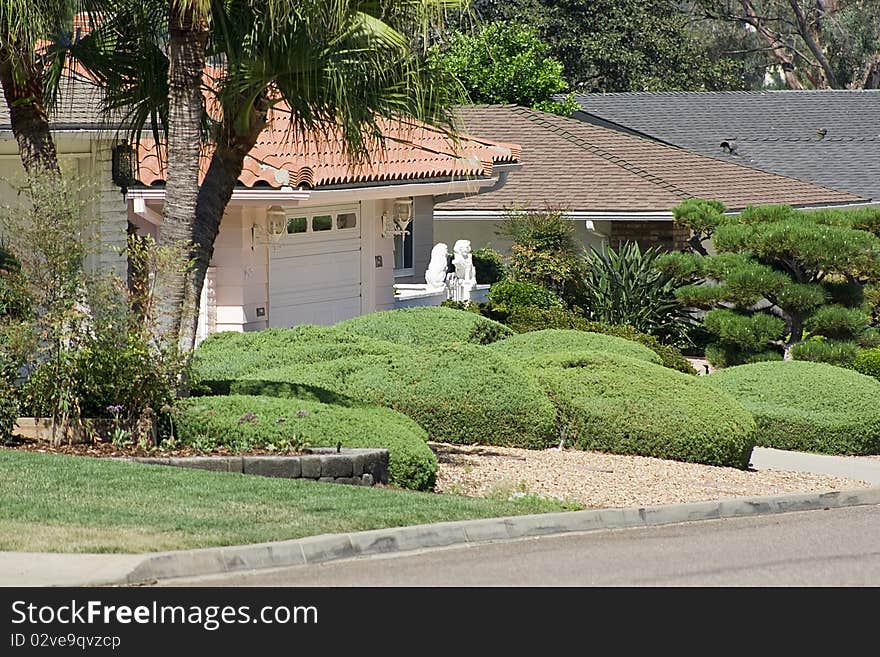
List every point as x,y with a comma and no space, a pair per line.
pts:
435,276
464,264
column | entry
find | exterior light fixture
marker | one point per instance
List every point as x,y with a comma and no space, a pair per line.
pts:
123,165
397,223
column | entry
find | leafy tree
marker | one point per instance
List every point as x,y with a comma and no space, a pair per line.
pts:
815,44
504,62
778,273
621,45
333,63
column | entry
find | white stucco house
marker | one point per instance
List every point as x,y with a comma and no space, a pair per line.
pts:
306,238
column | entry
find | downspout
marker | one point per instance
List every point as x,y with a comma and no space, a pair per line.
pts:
503,172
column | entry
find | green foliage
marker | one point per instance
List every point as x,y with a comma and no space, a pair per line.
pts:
15,301
625,287
812,407
833,352
623,405
746,332
699,215
8,410
504,62
489,266
459,393
429,325
523,320
284,424
726,355
535,344
623,45
868,362
511,294
838,323
544,250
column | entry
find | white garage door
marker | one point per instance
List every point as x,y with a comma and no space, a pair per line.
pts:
315,267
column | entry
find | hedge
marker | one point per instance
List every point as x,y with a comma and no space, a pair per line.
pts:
512,294
426,326
523,320
459,393
624,405
812,407
210,422
868,362
227,356
537,343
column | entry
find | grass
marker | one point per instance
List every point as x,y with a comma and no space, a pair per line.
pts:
61,503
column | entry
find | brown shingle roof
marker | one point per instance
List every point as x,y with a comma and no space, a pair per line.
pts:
575,165
282,157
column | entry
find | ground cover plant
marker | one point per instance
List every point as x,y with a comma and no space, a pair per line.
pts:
812,407
426,326
536,343
241,423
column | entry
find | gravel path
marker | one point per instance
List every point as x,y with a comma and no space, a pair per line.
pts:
598,480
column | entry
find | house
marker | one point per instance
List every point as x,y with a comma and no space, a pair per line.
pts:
614,185
829,137
306,238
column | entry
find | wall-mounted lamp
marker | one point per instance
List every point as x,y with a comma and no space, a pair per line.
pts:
397,223
276,221
123,165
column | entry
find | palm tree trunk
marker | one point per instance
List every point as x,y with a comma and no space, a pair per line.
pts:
214,195
29,119
186,53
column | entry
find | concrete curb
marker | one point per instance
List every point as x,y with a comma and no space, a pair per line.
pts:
331,547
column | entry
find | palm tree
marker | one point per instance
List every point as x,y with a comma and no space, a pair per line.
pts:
343,64
24,26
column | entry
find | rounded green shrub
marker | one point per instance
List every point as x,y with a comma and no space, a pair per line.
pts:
811,407
459,393
613,403
720,355
513,294
534,344
837,322
227,356
524,320
424,326
867,362
241,423
488,266
833,352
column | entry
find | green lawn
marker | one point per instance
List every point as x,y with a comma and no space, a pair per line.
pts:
54,503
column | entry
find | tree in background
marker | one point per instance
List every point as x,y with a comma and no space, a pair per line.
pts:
814,44
621,45
779,276
504,62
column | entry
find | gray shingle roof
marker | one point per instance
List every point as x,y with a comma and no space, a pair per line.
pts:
78,108
582,167
828,137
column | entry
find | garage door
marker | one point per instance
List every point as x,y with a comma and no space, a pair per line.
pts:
315,267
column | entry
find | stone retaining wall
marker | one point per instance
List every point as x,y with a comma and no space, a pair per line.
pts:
361,467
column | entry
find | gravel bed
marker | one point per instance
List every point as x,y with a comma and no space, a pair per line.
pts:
597,480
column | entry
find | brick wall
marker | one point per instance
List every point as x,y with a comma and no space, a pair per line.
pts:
649,233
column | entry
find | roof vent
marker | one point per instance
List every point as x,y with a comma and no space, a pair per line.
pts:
729,146
821,132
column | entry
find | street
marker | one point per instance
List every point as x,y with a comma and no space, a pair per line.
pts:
838,547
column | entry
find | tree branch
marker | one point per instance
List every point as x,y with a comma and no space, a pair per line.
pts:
810,40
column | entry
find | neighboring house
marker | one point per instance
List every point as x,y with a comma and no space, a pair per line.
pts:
614,186
306,238
830,137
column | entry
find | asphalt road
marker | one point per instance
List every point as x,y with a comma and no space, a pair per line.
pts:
837,547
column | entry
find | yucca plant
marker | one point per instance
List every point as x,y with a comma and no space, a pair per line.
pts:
625,287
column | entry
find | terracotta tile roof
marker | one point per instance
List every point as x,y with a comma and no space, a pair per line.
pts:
579,166
282,157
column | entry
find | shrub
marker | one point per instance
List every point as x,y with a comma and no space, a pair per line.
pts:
426,326
837,322
8,410
622,405
550,341
812,407
225,357
513,294
488,266
868,362
625,287
523,320
459,393
724,356
842,354
211,422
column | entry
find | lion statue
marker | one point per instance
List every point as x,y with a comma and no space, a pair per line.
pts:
435,275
